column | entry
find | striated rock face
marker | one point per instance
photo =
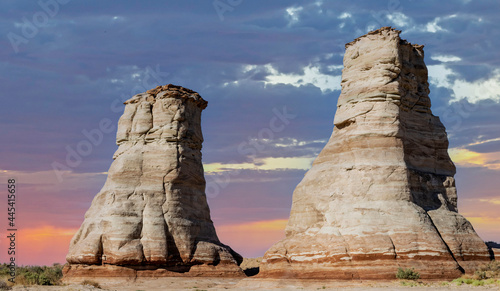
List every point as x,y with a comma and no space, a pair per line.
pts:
381,194
151,218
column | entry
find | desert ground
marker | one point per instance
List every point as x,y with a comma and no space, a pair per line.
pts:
250,266
255,284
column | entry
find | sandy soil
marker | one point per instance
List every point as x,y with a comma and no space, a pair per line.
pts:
252,284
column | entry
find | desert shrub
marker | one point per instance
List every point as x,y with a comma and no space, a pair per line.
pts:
91,283
480,275
4,270
36,275
490,270
407,274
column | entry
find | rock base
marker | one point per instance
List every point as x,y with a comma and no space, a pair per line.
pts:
365,270
73,273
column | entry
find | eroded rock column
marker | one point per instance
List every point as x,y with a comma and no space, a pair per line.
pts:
151,218
381,194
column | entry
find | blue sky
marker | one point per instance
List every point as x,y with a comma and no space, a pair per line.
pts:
68,64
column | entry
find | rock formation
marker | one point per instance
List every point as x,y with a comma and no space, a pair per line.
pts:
381,194
151,218
494,249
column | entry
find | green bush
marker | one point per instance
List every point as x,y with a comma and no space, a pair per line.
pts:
408,274
4,270
35,275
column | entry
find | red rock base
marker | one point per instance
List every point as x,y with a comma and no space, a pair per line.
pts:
76,273
367,270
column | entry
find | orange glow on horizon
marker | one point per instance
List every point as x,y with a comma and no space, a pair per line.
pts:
486,227
43,245
252,239
468,158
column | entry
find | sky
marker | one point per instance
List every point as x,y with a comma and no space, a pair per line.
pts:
67,66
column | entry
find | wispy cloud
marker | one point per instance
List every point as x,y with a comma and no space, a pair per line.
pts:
311,76
467,158
446,58
483,89
293,14
301,163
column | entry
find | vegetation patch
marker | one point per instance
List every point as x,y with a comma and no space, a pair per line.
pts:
407,274
33,275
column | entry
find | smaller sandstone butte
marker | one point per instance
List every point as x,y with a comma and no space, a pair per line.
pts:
151,218
381,194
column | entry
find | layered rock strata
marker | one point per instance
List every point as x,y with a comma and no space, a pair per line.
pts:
151,218
381,194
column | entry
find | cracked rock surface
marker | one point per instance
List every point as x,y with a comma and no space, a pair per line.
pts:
381,194
151,217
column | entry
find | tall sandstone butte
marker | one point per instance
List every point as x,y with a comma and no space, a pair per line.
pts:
151,218
381,194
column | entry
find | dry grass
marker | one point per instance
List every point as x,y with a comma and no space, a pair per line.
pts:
485,275
91,283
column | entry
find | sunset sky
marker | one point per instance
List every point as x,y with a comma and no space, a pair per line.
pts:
68,65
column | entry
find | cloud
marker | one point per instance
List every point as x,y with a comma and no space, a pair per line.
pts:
492,200
300,163
293,14
293,142
345,15
467,158
433,26
48,181
485,146
399,19
482,89
311,76
446,58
